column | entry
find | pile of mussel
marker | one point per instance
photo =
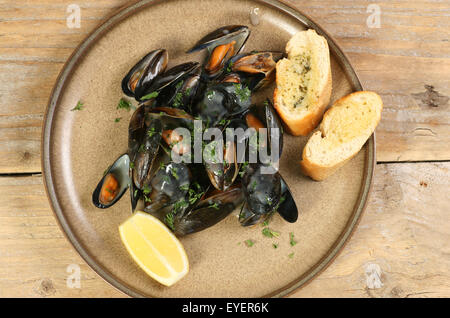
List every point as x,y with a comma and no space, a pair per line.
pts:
190,196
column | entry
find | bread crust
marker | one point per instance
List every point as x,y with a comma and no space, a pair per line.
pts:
320,172
306,124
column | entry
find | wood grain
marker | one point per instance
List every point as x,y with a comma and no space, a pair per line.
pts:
411,51
403,234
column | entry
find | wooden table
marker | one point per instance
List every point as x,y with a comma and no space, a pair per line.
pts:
401,247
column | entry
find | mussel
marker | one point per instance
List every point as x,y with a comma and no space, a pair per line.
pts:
263,116
208,212
114,183
222,168
144,72
256,69
222,44
222,101
265,192
181,93
164,80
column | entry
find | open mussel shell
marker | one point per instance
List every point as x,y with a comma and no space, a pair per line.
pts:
265,116
256,69
287,207
223,35
114,183
208,212
166,79
222,45
180,94
145,71
223,174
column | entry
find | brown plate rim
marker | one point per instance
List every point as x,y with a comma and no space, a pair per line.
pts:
64,77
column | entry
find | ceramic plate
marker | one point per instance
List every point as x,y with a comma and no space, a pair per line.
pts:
79,145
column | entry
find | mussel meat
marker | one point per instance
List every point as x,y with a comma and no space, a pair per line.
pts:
222,44
114,183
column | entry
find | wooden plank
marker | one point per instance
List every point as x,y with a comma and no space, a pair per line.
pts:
401,60
400,248
34,254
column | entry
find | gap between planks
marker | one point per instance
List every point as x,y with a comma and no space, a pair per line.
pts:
39,173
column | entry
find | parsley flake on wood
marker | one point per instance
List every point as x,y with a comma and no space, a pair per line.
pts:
117,119
275,246
291,255
79,106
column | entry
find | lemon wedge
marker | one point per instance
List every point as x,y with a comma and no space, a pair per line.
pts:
154,248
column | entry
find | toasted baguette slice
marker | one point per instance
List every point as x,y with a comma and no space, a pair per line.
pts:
303,82
345,128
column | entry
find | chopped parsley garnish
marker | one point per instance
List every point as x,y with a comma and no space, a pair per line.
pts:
136,192
243,169
141,148
249,243
79,106
270,233
151,132
177,100
166,178
174,172
210,94
117,119
147,199
177,206
150,96
292,241
215,206
243,92
291,255
224,122
124,104
131,165
162,166
169,221
184,187
146,189
230,67
275,245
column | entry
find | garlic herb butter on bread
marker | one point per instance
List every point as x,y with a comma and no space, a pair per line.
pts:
303,82
345,128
